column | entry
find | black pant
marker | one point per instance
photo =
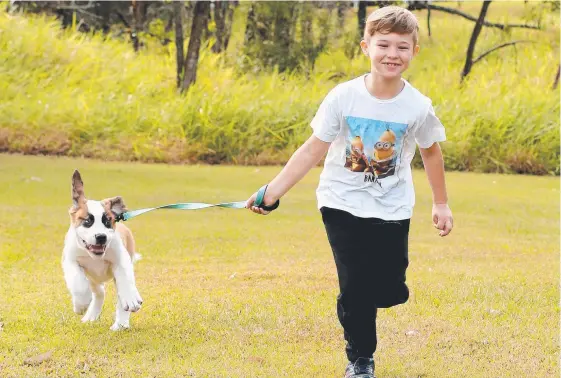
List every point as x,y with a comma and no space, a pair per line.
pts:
371,258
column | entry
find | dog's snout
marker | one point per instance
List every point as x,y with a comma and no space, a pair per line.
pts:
100,238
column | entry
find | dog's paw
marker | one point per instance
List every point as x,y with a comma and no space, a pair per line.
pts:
80,305
80,309
131,300
119,327
91,315
94,311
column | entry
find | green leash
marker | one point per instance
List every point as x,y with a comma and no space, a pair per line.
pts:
200,205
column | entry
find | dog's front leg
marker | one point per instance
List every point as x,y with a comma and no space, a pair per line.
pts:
127,292
122,317
78,285
94,309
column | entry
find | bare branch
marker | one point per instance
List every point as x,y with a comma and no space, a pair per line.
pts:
499,47
89,14
122,18
418,5
476,30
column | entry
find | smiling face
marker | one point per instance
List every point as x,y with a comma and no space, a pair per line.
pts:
93,221
390,54
390,41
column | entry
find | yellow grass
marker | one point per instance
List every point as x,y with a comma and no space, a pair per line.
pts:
232,294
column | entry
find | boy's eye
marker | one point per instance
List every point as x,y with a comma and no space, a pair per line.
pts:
404,48
89,221
106,221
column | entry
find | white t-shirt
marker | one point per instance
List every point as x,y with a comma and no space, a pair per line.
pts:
367,170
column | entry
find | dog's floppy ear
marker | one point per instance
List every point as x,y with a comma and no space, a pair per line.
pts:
78,197
114,206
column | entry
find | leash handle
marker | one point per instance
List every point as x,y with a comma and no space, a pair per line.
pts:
259,200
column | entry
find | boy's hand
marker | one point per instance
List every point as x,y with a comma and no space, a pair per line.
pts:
257,210
442,218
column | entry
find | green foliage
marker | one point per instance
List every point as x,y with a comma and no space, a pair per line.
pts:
88,95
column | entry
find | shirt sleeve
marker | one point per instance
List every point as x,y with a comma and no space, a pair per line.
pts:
327,121
430,130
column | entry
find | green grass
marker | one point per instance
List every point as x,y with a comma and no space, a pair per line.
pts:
72,94
232,294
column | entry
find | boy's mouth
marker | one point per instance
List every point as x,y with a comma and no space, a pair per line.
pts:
392,64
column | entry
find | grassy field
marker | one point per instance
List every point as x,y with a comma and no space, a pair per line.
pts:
232,294
66,93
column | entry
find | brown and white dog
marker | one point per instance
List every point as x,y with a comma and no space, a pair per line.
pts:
97,249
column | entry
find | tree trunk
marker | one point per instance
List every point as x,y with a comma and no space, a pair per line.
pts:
206,33
220,9
556,81
229,22
200,22
361,17
294,15
325,21
473,39
341,7
281,37
250,26
428,18
178,21
307,35
104,11
135,26
306,27
65,16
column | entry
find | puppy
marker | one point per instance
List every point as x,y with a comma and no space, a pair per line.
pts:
97,249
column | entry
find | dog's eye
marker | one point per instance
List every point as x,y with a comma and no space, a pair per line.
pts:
89,221
106,221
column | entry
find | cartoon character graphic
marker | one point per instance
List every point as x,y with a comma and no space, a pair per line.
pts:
373,147
359,161
384,154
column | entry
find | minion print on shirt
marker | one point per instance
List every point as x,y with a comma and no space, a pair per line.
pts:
373,147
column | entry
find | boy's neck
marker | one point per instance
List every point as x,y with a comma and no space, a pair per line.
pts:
381,88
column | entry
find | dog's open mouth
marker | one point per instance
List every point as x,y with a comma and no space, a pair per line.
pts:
96,249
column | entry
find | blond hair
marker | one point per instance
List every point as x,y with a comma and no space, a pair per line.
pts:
392,19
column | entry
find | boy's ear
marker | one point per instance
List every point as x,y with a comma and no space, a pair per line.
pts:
364,47
416,49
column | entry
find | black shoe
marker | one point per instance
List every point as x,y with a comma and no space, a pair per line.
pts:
362,368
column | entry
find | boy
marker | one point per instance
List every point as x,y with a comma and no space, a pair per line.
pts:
366,212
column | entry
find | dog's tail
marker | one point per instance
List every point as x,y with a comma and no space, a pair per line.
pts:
136,257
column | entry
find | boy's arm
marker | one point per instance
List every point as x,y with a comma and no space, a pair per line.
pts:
434,167
304,159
